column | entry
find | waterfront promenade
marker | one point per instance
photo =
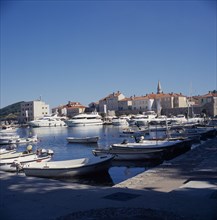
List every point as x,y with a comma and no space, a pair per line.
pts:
182,188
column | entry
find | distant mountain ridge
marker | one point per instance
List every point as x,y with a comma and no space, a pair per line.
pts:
11,110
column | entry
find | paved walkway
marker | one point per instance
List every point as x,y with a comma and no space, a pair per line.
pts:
182,188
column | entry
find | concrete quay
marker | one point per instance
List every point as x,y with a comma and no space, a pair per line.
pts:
182,188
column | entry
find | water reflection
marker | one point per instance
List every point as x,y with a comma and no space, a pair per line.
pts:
133,164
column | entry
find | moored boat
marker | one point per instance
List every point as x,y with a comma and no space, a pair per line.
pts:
93,139
15,163
147,144
120,121
85,120
68,168
146,149
130,154
18,140
201,133
14,155
48,121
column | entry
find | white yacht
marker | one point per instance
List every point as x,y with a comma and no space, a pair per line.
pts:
48,121
85,119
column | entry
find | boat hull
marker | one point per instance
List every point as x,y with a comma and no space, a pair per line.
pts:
83,123
130,154
102,164
36,124
83,140
142,152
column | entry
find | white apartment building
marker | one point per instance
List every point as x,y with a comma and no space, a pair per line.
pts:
33,110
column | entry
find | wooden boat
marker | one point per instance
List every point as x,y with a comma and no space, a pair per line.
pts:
13,164
93,139
68,168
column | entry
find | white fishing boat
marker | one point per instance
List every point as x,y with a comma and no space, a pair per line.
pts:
68,168
93,139
145,149
14,164
85,120
48,121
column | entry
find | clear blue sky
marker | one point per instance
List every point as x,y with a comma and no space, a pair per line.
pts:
84,50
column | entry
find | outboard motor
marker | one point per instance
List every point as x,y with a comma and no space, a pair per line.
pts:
18,166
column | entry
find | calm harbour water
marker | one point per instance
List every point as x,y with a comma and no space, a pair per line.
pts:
55,138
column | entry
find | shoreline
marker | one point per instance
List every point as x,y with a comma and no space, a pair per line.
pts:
182,188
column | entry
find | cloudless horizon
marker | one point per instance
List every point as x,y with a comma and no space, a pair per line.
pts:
85,50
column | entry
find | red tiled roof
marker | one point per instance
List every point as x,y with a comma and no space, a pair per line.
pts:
114,94
210,94
156,96
126,99
75,107
140,98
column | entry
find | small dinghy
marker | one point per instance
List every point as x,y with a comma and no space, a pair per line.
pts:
86,140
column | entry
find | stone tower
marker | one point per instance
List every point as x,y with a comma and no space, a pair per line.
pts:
159,90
